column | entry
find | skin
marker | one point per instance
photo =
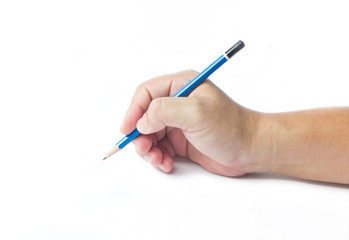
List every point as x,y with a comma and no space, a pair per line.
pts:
225,138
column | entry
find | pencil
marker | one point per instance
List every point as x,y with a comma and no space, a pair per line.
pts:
184,91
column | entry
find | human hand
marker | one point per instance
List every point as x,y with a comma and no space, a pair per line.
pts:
207,126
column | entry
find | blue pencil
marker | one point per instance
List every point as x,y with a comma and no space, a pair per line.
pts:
184,91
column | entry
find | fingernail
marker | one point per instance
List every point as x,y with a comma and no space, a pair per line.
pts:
162,167
142,124
147,158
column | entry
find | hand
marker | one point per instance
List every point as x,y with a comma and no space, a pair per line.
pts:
207,126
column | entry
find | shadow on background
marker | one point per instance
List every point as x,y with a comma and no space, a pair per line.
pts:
184,166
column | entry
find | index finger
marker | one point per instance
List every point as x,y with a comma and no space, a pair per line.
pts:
162,86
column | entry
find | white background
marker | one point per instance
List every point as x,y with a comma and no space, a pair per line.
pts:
68,70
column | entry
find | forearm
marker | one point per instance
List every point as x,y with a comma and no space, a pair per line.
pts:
311,144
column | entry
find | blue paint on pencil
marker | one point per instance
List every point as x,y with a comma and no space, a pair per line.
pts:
191,85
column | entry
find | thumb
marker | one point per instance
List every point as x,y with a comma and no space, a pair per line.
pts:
183,113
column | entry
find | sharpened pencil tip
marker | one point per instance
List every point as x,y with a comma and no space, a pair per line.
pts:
112,151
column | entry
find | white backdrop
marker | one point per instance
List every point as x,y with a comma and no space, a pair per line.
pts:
68,70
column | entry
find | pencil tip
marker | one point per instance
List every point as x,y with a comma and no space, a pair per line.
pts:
112,151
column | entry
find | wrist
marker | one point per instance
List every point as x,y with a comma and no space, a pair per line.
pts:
262,147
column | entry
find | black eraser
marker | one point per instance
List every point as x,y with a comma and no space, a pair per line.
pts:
234,49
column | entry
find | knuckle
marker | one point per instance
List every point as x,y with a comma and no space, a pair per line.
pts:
156,105
161,109
198,108
191,71
143,85
140,87
157,111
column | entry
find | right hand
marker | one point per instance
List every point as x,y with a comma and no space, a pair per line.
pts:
207,126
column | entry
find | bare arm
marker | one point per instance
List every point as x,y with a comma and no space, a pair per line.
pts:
312,144
225,138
